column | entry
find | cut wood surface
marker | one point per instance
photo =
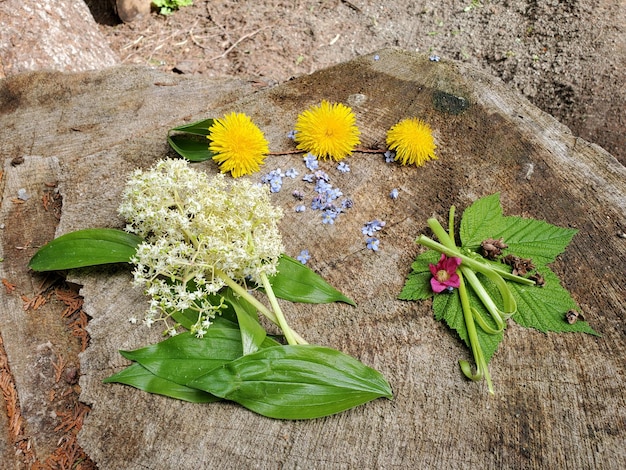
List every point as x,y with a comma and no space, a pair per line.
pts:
559,398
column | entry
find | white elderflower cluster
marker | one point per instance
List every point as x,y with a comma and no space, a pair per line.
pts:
199,232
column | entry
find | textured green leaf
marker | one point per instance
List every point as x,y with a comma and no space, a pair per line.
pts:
295,382
297,283
190,148
141,378
534,239
544,308
184,357
88,247
481,220
417,284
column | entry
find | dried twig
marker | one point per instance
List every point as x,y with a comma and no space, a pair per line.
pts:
238,41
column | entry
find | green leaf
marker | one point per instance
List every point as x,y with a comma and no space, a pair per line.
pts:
88,247
139,377
189,317
252,333
190,148
297,283
544,308
535,239
526,238
197,128
417,284
184,357
295,382
481,220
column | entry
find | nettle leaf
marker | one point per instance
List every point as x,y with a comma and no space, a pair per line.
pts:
481,220
298,283
141,378
544,308
535,239
417,284
89,247
526,238
295,382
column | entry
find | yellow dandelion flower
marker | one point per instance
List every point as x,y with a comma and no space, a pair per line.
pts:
238,144
327,130
412,141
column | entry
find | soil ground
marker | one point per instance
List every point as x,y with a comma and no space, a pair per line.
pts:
566,56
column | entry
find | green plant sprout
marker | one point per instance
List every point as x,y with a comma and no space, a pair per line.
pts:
167,7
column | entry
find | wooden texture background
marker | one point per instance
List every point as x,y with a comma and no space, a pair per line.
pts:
559,399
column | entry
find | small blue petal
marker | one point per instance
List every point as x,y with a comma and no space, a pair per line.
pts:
304,256
372,243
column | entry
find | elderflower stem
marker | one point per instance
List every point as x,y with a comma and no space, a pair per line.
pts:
282,321
270,315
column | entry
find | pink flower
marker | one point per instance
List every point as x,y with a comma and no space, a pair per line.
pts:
444,274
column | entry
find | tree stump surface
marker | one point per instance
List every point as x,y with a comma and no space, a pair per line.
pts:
559,400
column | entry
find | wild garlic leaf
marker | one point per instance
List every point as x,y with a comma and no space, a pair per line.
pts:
141,378
298,283
295,382
89,247
252,333
183,357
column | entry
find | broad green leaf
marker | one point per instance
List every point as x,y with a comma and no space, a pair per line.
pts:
185,357
88,247
544,308
197,128
139,377
481,220
190,148
297,283
295,382
252,333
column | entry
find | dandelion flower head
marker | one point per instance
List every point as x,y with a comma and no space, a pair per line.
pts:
327,131
412,141
239,145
